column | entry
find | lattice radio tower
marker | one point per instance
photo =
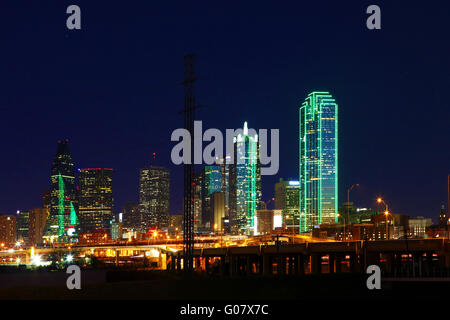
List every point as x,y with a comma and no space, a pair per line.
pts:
189,112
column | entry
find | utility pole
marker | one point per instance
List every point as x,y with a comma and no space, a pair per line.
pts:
348,206
189,112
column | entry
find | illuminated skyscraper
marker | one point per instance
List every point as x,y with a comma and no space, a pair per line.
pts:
7,230
62,222
245,182
22,223
95,199
224,164
318,157
38,218
212,182
198,199
154,195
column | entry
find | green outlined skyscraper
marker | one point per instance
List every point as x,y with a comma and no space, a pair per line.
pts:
318,160
245,182
62,223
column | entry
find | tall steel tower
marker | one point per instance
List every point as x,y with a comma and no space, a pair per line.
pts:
189,112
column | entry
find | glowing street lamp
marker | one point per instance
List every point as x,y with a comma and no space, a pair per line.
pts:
386,214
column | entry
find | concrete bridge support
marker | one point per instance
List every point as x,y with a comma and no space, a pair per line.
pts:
331,263
338,258
316,263
353,263
300,264
266,265
178,262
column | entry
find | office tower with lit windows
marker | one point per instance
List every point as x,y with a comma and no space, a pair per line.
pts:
287,200
7,231
38,218
62,221
245,182
212,182
154,196
22,225
318,157
218,212
95,199
443,217
224,164
198,198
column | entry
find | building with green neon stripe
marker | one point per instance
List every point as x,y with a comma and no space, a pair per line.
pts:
245,182
62,222
318,160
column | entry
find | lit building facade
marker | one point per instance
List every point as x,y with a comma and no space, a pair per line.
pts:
245,182
218,211
22,225
198,201
212,182
117,227
7,230
418,227
318,160
224,164
154,196
62,221
267,221
287,200
95,199
176,223
38,218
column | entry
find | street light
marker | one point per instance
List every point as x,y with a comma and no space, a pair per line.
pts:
386,214
348,202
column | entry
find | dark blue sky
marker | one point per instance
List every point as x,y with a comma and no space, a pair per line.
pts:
113,88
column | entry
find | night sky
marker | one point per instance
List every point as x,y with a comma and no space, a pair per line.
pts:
113,89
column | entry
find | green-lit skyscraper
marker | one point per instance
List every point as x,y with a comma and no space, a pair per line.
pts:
62,222
245,182
318,157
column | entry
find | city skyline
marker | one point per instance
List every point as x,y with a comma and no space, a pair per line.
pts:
135,109
225,159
